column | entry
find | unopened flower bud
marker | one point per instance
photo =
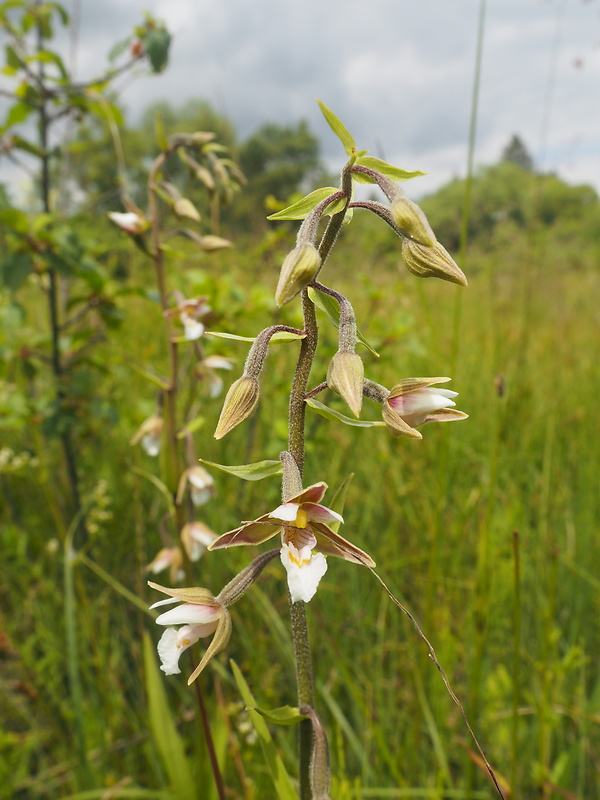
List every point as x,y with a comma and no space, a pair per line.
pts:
345,376
298,270
185,208
130,222
240,403
431,262
412,222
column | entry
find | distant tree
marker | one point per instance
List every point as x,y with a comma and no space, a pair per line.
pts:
279,160
517,153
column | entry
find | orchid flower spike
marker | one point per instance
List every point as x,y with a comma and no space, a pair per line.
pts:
302,522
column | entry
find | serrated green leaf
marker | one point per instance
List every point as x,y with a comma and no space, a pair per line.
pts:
339,129
303,207
284,789
285,715
331,308
250,472
395,173
281,337
336,416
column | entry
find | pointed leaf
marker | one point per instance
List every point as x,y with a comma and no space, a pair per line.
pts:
284,789
331,308
250,472
155,379
286,715
329,413
278,338
339,500
395,173
339,129
303,207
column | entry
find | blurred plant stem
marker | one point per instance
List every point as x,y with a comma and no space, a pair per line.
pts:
53,287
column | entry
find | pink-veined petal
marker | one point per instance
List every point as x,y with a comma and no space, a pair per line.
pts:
332,544
312,494
321,513
251,533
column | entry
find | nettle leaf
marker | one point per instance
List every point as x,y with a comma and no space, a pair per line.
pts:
331,308
303,207
250,472
395,173
285,715
336,416
281,337
339,129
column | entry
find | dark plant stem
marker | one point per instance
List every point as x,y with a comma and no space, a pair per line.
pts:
210,744
296,446
53,312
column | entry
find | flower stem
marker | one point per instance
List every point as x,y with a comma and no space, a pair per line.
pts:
296,446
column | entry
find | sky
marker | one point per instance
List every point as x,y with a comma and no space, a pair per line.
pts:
399,74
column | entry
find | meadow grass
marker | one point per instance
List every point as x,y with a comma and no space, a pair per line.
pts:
486,530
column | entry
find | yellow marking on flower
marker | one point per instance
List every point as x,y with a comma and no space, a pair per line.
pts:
184,643
301,518
299,562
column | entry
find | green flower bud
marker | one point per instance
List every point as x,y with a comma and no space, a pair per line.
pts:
412,222
240,403
298,270
431,262
345,376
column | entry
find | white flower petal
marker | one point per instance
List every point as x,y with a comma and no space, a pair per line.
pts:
168,652
167,602
304,577
190,614
151,444
287,512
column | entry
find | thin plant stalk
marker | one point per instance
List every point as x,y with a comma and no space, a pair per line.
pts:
296,446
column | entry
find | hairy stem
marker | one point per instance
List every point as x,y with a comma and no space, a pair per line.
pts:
296,446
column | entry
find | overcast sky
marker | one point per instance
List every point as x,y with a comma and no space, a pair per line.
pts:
398,73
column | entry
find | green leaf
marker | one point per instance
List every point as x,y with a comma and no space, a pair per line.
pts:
119,48
161,138
15,218
284,789
192,426
155,379
395,173
281,337
338,501
156,42
336,416
339,129
303,207
19,143
164,731
49,57
331,308
250,472
12,59
285,715
17,114
15,269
